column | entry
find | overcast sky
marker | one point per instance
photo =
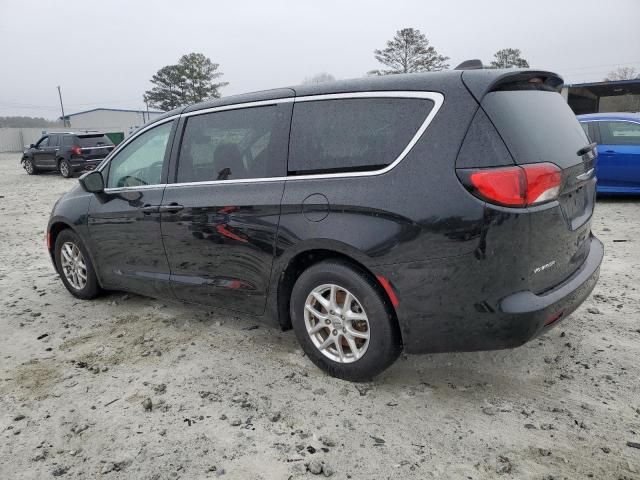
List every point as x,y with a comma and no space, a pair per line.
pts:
103,53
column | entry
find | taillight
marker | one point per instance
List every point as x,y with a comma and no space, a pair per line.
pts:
519,186
76,151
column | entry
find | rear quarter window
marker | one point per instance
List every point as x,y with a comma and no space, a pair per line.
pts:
356,134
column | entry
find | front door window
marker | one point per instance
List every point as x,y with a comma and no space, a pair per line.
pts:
140,162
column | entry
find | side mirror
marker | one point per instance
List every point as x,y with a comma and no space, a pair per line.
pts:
31,145
92,182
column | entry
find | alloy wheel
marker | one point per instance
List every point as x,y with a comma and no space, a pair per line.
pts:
73,264
64,169
337,323
28,166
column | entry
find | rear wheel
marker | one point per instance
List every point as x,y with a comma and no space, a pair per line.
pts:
75,267
65,168
342,321
29,166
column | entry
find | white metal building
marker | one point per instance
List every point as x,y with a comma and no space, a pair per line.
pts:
110,120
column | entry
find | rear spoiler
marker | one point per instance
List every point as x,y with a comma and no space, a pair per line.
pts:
482,81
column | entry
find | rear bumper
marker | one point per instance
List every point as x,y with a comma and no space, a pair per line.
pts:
80,164
463,317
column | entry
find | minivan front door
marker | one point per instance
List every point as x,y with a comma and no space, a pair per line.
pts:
124,221
220,219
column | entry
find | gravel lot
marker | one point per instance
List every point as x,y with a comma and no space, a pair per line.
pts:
130,387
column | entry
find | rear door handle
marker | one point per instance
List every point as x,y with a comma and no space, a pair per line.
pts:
149,209
171,208
609,151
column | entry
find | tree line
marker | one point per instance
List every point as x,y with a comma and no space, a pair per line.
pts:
28,122
195,77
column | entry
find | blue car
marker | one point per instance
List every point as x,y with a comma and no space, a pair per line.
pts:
618,139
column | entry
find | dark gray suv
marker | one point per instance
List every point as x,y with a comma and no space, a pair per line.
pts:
66,153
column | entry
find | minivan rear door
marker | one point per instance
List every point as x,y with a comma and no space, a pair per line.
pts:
537,126
220,216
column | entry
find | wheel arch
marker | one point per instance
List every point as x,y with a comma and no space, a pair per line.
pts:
54,230
302,260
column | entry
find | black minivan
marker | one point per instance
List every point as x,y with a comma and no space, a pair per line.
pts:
432,212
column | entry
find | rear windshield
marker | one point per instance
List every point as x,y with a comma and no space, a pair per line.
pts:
537,126
93,140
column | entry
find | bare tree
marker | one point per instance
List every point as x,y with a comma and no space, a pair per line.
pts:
622,73
409,52
509,58
319,78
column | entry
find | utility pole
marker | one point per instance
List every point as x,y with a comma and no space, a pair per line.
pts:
64,120
147,104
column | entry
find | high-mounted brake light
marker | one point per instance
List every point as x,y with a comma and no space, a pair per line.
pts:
520,186
76,150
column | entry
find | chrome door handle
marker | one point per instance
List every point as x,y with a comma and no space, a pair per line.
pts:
171,208
149,209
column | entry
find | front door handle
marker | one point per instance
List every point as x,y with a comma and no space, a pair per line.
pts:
171,208
149,209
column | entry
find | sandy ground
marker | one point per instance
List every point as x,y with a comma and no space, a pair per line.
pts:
234,399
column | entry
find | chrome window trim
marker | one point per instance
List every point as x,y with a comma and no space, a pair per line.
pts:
436,97
609,120
129,189
238,106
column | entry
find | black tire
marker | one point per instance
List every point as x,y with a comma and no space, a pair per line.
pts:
91,288
64,167
29,166
384,344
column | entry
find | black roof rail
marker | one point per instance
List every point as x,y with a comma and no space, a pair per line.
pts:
474,64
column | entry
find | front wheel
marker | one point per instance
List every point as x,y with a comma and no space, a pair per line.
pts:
29,166
75,267
65,168
343,322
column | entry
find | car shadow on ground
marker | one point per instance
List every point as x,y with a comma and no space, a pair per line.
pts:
451,374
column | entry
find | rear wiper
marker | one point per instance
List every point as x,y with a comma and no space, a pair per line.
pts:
587,149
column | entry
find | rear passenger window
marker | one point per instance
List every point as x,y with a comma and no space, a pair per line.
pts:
329,136
235,144
620,133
